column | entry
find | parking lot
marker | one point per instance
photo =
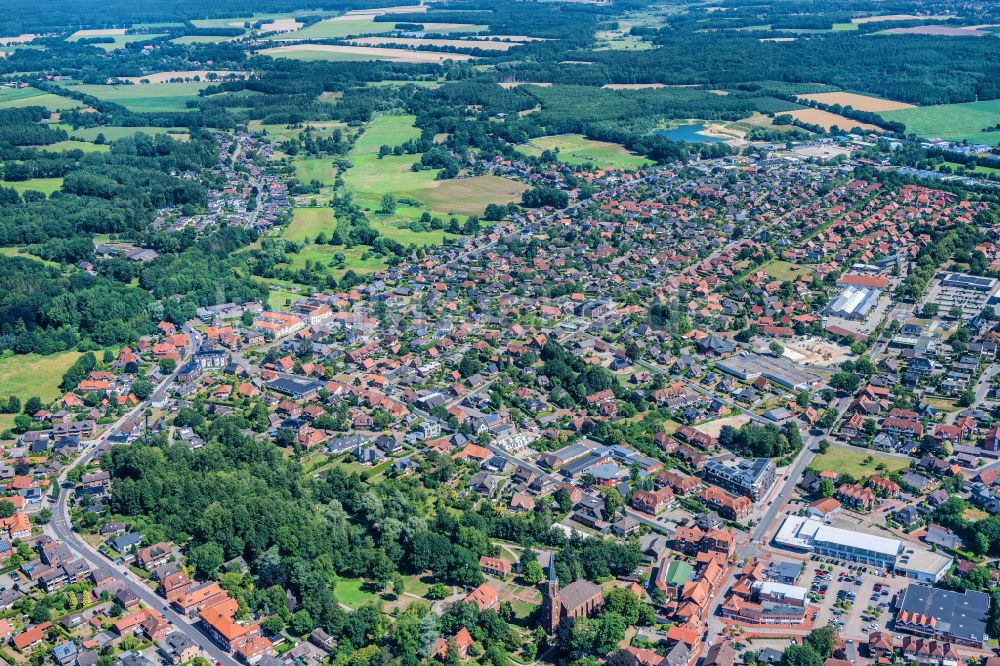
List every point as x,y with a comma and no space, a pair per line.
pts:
856,584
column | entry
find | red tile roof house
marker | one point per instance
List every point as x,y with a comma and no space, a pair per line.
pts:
494,566
484,596
153,556
31,637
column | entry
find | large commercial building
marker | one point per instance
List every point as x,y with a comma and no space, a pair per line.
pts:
969,292
751,478
813,535
780,370
955,617
853,302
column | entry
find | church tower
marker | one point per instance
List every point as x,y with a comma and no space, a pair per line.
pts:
551,606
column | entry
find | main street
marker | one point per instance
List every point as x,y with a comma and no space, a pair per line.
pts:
60,527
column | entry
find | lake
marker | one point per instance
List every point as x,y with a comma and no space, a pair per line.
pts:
689,134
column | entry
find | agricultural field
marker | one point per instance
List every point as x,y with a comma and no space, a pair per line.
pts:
314,168
150,97
577,149
281,132
954,122
352,26
113,132
827,120
312,52
201,39
851,461
308,222
118,35
11,98
858,102
187,74
484,44
43,185
468,196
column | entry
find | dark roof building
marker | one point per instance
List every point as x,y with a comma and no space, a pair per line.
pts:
957,617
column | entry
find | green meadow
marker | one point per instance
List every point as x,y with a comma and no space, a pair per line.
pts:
147,97
577,149
953,122
44,185
113,132
11,98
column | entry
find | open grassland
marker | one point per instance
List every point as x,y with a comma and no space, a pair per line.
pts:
308,169
153,97
202,39
468,196
324,255
281,132
900,17
785,271
113,132
954,122
44,185
11,98
577,149
308,222
25,375
851,461
827,120
858,102
85,146
336,52
118,35
356,25
188,74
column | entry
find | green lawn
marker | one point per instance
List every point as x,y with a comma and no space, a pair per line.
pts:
849,461
324,254
276,299
32,374
147,97
577,149
44,185
785,271
11,98
309,222
953,122
349,591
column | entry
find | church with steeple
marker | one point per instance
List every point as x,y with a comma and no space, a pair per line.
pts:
581,598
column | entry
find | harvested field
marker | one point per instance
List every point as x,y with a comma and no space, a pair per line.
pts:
98,32
713,428
20,39
281,25
900,17
632,86
344,26
378,11
939,31
484,44
359,53
514,84
826,120
577,149
859,102
187,75
722,93
779,39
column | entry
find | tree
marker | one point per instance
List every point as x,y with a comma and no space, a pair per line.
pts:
776,348
142,388
167,365
302,622
533,573
388,205
826,488
801,655
821,640
930,309
206,559
955,312
33,405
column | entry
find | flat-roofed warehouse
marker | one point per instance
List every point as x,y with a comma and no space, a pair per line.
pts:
780,370
971,293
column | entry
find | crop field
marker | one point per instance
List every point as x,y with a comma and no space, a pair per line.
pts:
149,98
201,39
851,461
826,120
484,44
311,52
165,77
954,122
858,102
351,26
900,17
577,149
44,185
11,98
117,34
308,222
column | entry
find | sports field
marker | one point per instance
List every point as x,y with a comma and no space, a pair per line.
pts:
577,149
954,122
851,461
150,97
44,185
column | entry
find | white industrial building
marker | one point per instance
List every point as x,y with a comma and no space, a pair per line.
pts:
854,302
